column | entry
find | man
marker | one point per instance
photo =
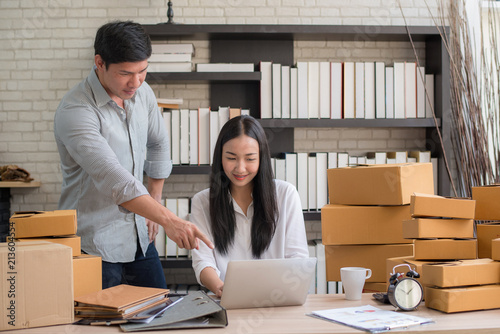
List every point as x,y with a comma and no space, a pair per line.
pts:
109,131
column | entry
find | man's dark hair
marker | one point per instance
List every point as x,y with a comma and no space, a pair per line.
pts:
122,41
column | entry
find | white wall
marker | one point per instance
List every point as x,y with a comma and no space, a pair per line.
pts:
46,48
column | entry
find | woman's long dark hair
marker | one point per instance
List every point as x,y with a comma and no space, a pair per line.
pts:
222,218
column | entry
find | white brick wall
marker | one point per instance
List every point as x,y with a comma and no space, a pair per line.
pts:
47,48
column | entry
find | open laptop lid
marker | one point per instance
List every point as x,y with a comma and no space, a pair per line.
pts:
267,282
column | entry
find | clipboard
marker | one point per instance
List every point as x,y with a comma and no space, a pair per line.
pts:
195,310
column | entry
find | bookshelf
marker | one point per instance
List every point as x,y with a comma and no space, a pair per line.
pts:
255,43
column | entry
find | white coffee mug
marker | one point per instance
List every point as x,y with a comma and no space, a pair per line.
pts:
353,281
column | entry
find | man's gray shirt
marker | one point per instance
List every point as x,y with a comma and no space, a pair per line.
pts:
104,152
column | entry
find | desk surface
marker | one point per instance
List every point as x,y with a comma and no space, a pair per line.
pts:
293,319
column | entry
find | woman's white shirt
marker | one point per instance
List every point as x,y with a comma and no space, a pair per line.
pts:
289,239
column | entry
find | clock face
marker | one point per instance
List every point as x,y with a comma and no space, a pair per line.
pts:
408,294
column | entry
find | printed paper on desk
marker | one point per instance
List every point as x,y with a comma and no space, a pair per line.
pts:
369,318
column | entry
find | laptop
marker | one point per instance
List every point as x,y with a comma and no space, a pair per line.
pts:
267,282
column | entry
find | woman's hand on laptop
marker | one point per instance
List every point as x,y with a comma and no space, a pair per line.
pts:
211,280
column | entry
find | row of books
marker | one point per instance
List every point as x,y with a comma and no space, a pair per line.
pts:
336,90
308,171
193,132
164,245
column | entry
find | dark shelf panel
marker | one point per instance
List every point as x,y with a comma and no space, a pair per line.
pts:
202,77
286,31
187,169
173,262
349,123
312,215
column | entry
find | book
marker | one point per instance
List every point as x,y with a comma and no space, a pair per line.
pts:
399,157
225,67
380,86
411,90
245,112
420,92
321,179
121,301
167,120
370,106
370,318
184,137
312,182
324,89
285,91
160,241
342,159
293,93
214,132
291,168
280,169
421,156
204,136
171,246
182,212
193,137
380,157
321,283
389,92
170,58
234,112
336,90
266,88
302,84
176,136
173,48
349,90
399,90
359,80
168,101
332,160
276,75
302,178
313,89
429,95
154,67
223,116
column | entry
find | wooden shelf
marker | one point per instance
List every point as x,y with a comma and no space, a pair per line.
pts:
290,31
191,169
203,77
175,262
19,184
349,123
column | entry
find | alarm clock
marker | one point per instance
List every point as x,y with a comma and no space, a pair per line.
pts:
405,293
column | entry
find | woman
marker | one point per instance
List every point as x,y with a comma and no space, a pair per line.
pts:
247,213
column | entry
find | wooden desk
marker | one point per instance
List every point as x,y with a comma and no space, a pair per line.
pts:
294,320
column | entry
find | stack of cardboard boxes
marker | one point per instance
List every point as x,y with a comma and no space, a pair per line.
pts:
43,260
488,211
362,225
443,228
454,279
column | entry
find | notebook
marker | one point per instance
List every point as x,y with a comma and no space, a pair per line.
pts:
267,282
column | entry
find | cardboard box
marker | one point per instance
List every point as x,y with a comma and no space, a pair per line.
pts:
391,184
72,241
367,256
461,273
445,249
495,249
361,225
87,274
473,298
485,234
37,285
426,205
421,228
32,224
374,287
487,199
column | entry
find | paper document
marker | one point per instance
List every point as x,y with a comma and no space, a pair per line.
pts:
370,318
